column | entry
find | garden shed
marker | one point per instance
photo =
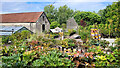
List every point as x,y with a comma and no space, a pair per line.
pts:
71,24
9,30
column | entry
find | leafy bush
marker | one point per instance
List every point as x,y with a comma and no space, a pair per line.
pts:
84,34
5,39
117,41
52,59
89,17
54,24
17,36
104,43
12,61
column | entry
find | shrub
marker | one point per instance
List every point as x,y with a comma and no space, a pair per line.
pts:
117,41
5,39
17,36
52,59
104,43
84,34
54,25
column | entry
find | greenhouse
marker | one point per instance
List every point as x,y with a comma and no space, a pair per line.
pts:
9,30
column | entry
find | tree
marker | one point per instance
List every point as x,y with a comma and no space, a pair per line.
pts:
63,26
54,24
61,15
89,17
100,12
64,13
51,12
110,15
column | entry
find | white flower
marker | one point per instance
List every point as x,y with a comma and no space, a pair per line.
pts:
22,48
108,52
41,47
104,52
9,41
15,46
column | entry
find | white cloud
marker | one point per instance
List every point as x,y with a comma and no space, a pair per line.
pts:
16,7
13,7
59,0
84,6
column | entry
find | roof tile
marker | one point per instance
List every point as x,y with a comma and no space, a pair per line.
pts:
20,17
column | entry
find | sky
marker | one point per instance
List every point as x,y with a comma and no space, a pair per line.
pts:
17,6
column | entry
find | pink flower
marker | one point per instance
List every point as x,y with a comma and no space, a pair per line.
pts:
66,58
25,50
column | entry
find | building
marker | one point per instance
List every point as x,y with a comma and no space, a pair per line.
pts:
71,24
37,22
9,30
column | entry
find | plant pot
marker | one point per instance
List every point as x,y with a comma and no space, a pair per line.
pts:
63,48
72,49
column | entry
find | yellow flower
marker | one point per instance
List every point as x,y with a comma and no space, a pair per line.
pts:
27,53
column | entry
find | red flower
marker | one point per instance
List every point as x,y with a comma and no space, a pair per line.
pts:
75,55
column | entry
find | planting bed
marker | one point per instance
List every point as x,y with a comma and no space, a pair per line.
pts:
42,51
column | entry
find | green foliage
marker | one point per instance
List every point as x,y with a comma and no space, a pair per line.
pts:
51,12
100,12
89,17
52,59
84,34
28,52
12,61
17,36
110,16
70,42
117,41
64,12
106,60
104,43
54,24
60,15
5,39
92,41
25,34
63,26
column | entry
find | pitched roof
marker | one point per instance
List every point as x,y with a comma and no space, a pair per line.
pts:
71,22
20,17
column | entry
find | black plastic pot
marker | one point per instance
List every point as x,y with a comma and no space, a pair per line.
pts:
72,49
63,48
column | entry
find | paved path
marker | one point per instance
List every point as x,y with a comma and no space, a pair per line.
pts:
110,40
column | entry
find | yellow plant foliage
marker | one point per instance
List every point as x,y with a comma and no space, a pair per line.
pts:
27,53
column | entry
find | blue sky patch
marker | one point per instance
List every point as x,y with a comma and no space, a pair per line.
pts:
16,7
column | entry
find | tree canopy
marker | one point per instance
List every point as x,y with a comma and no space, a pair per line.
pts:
110,15
89,17
64,13
60,15
51,12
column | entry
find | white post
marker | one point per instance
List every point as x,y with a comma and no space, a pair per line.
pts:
62,37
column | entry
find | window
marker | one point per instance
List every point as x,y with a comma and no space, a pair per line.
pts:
45,21
43,18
